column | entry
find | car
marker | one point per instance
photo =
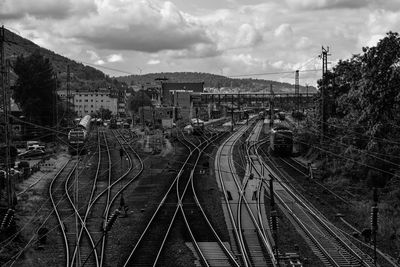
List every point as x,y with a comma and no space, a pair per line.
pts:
15,172
32,154
33,147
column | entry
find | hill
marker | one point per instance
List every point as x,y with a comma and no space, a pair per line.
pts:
86,77
81,76
216,81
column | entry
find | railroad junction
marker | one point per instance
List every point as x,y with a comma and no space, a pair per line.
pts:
211,197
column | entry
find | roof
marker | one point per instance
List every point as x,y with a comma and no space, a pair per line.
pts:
195,87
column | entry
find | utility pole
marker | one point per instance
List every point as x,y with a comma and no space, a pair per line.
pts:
68,96
7,137
374,219
232,113
271,107
274,215
296,90
142,109
324,56
56,98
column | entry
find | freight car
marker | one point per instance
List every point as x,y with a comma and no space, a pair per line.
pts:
78,137
281,140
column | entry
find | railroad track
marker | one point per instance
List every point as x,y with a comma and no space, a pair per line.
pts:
94,209
331,246
215,252
118,186
252,246
62,207
150,245
90,232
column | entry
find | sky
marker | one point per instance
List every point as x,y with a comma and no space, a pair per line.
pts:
247,38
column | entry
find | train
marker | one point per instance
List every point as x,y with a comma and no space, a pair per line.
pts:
281,140
113,124
261,115
198,126
78,137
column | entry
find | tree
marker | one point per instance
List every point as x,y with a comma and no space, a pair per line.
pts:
137,100
35,88
104,113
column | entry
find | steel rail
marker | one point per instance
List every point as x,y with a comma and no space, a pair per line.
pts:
61,224
317,217
260,230
156,212
231,258
180,208
236,229
90,199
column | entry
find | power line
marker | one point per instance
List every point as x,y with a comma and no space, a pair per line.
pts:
108,68
272,73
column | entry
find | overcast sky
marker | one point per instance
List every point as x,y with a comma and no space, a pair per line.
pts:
229,37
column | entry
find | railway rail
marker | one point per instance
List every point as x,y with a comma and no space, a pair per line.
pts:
332,247
252,246
150,245
197,222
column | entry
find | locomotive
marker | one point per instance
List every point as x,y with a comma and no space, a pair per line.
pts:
281,140
78,136
198,126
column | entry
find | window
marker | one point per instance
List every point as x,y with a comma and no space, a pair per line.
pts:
91,106
86,100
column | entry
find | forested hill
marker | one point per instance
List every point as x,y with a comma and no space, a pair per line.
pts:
81,75
85,77
212,80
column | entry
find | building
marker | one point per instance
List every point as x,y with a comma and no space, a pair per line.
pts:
182,100
91,101
167,87
154,116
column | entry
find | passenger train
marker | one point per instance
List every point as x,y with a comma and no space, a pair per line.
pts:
77,137
281,140
198,126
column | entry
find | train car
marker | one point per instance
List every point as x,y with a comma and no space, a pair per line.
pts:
77,137
198,126
261,115
113,124
281,140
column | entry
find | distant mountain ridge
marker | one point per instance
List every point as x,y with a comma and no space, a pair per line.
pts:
86,77
213,80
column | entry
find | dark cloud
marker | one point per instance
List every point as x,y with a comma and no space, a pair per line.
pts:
140,26
144,39
42,9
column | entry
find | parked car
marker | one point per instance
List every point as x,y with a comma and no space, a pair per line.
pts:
33,147
32,154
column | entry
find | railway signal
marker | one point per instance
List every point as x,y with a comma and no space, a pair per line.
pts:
374,219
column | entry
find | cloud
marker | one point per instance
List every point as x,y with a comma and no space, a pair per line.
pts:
114,58
247,36
99,62
196,51
284,30
17,9
93,55
147,26
326,4
153,62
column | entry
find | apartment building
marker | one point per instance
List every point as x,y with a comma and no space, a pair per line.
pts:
90,101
